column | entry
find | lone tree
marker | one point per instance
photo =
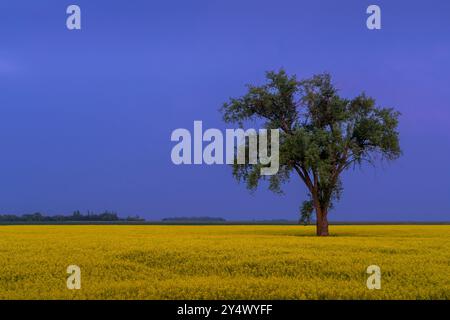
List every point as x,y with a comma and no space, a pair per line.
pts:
321,135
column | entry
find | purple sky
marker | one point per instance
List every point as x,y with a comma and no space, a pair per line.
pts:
86,116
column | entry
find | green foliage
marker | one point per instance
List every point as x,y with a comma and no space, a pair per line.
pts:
321,133
76,216
306,212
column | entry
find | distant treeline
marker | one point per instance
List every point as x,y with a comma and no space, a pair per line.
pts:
193,219
76,216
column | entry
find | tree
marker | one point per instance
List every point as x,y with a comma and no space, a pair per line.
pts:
321,136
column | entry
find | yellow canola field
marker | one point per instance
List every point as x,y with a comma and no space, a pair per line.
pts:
224,262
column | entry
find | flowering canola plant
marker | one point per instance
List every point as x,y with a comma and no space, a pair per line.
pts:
224,262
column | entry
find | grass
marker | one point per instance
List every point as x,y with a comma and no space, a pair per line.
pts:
224,262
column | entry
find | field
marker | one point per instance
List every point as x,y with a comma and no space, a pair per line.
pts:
224,262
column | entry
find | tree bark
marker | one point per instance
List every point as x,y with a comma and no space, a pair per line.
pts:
321,213
321,223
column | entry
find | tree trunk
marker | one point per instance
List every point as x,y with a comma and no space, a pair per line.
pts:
321,223
321,216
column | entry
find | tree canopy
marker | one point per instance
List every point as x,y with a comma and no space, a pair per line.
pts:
321,135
